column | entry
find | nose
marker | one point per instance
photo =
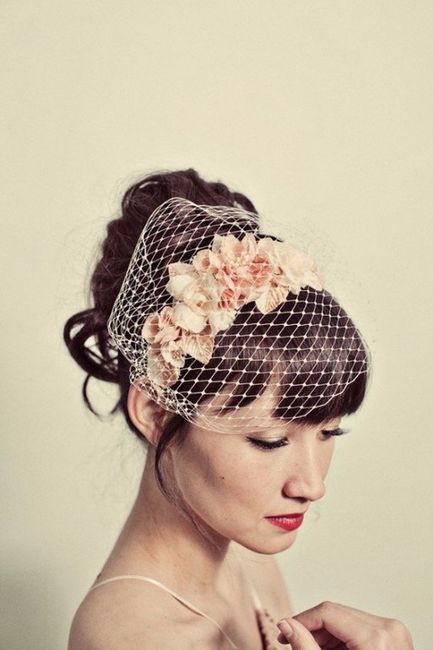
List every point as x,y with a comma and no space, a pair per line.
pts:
305,478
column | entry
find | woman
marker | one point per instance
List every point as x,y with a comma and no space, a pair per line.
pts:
235,368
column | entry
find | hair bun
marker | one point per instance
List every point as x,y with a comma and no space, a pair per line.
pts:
85,333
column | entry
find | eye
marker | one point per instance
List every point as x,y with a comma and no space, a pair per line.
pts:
266,444
334,432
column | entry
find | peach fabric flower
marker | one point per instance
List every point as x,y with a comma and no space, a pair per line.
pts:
234,252
165,354
172,353
260,270
160,327
159,371
210,290
206,261
199,346
197,296
292,270
295,268
241,270
235,257
221,319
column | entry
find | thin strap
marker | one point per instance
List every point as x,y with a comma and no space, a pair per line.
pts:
170,591
256,599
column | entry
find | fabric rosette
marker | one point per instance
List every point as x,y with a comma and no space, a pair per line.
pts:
209,291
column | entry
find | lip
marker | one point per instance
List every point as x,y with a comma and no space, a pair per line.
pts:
288,514
288,522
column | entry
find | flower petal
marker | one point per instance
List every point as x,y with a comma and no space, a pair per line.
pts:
180,268
221,319
161,373
198,346
271,298
312,279
150,327
169,333
177,285
172,353
188,319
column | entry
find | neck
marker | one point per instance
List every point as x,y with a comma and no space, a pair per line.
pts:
160,541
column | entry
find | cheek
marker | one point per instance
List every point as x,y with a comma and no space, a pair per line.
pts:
327,456
220,484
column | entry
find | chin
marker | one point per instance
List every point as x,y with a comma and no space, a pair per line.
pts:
270,547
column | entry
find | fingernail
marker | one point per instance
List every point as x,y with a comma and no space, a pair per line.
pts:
281,639
285,628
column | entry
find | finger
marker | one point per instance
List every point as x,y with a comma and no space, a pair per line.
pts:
313,616
297,635
322,637
341,621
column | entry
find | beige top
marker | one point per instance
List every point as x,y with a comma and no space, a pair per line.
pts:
265,622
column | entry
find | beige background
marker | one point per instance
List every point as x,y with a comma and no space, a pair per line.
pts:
322,113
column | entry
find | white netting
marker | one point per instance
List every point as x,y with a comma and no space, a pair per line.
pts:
225,325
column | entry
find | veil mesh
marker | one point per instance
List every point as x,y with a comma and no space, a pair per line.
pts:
204,339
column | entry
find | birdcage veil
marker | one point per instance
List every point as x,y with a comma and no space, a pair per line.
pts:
212,313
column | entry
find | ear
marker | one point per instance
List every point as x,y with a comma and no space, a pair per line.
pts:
148,416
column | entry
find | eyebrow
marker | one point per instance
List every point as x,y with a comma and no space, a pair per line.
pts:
275,430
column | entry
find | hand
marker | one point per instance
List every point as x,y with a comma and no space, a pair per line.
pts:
331,626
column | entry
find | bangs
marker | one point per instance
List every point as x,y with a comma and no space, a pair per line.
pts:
307,349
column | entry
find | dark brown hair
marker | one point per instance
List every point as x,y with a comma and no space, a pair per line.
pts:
88,341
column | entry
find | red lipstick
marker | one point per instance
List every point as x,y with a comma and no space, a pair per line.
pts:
288,522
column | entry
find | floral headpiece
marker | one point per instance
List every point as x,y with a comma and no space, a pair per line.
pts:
225,273
210,290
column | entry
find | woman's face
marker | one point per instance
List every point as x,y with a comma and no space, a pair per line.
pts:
232,484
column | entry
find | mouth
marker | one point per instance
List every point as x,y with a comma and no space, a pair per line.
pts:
287,522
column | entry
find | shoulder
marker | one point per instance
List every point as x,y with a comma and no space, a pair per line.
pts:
131,615
266,576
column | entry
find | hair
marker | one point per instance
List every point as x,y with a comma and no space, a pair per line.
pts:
88,341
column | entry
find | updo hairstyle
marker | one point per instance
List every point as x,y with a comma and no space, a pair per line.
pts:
88,341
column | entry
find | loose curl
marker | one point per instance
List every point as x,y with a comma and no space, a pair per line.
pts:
107,364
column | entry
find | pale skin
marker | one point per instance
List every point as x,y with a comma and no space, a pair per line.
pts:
230,486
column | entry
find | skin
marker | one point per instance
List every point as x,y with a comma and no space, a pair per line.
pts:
335,626
230,487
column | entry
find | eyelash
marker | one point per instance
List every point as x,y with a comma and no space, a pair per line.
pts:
266,446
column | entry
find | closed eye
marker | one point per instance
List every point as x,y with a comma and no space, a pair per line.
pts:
266,444
283,442
334,432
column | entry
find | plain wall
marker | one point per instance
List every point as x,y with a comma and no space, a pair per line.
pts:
321,112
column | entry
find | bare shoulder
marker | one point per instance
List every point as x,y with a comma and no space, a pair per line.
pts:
132,616
265,574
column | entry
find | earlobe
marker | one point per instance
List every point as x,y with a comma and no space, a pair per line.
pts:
146,415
